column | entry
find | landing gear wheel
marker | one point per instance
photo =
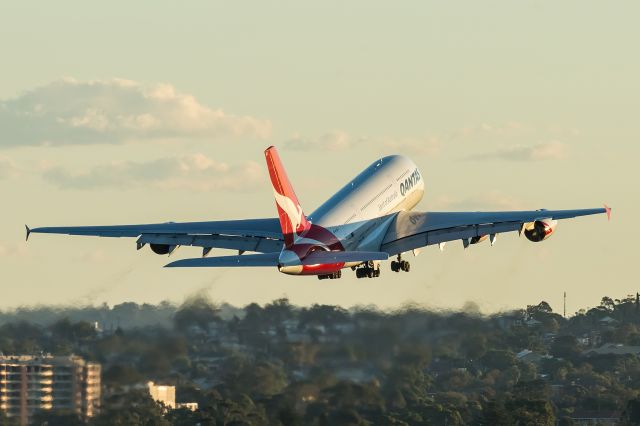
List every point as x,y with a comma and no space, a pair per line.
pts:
405,266
395,266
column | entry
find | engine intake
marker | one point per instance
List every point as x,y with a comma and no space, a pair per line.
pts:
540,230
162,248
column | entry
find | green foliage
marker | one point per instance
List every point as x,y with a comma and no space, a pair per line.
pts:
196,312
565,347
56,418
134,408
322,365
498,360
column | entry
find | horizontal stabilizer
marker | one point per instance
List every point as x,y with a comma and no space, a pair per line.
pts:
246,260
272,259
324,257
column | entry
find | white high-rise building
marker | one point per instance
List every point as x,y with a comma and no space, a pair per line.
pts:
29,384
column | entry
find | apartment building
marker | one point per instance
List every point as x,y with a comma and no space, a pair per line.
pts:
29,384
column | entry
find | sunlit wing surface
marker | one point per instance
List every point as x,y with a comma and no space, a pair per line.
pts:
412,230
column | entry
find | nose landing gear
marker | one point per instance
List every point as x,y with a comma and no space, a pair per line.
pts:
400,265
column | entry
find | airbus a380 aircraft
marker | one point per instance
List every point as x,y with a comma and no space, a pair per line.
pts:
366,222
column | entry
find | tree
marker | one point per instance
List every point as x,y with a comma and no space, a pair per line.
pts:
531,412
542,307
498,360
7,421
135,408
532,390
241,411
494,414
56,418
196,312
565,347
607,303
631,413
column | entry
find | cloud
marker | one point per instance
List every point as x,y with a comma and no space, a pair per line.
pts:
491,200
428,146
8,168
335,140
543,151
338,140
194,172
13,249
485,129
68,111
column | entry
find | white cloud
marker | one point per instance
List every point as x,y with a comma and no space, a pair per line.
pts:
491,200
543,151
15,249
335,140
428,146
195,172
339,140
69,111
8,168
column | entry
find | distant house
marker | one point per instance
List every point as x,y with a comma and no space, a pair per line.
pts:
508,321
533,323
613,349
607,321
356,374
595,418
531,357
583,341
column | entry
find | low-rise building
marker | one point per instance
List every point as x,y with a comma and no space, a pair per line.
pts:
613,349
164,394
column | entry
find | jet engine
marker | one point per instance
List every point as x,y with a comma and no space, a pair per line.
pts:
162,248
539,230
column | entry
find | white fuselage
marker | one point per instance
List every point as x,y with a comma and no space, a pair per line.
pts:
361,211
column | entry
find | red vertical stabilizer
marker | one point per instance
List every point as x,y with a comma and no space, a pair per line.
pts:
292,219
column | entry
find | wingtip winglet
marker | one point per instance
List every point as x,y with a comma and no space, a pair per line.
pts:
607,210
28,232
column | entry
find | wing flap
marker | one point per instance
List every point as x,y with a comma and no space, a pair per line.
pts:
232,242
412,230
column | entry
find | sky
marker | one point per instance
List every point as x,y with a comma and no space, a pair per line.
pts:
141,112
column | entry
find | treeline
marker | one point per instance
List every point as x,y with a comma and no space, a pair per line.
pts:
279,364
127,315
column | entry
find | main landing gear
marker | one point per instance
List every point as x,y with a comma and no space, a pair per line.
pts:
400,265
334,276
369,270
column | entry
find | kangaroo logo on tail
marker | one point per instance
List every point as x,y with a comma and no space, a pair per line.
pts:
292,219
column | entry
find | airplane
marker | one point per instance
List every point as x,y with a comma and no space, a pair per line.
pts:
368,221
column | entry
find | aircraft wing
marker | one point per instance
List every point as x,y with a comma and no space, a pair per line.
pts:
258,235
412,230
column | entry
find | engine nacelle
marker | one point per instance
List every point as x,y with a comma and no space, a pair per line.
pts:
162,248
540,230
